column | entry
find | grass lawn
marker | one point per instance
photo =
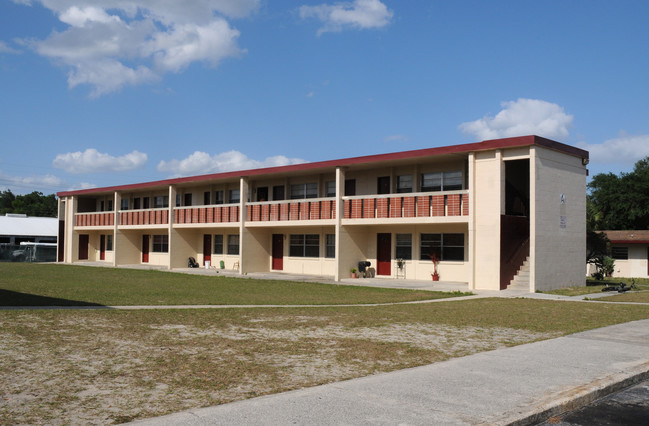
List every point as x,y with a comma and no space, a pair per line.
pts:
25,284
639,297
112,366
596,286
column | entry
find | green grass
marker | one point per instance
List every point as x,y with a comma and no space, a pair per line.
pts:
596,286
637,297
25,284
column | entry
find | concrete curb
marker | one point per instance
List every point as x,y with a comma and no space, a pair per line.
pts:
579,397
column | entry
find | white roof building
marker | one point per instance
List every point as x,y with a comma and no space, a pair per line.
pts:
22,227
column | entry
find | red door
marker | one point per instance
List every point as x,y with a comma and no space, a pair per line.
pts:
102,247
383,254
207,248
145,249
278,252
83,246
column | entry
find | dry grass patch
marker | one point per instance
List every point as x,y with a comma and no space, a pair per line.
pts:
100,367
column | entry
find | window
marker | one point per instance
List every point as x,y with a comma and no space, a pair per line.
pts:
161,201
178,204
124,203
331,189
304,245
304,190
188,199
620,253
218,197
235,196
404,184
160,243
404,246
233,244
330,248
446,246
218,244
136,204
441,181
145,203
110,206
109,242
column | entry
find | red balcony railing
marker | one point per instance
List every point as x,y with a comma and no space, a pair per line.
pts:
207,214
304,209
407,206
94,219
144,217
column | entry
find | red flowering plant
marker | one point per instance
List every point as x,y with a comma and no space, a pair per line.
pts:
435,259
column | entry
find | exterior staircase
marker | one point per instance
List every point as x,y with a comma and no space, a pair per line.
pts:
521,280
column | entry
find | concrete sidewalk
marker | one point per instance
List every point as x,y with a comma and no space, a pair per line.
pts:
520,385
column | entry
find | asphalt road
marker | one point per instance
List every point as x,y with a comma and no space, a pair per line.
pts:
628,407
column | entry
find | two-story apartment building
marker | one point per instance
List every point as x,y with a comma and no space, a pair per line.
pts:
490,211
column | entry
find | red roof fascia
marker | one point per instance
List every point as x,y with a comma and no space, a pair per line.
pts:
629,241
426,152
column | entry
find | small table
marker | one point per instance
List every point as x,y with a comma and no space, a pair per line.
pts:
401,271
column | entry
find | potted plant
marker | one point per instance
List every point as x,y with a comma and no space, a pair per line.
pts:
400,263
353,271
435,260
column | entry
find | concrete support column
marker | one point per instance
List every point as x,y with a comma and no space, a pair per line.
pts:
533,219
170,229
244,235
340,211
116,200
471,230
71,244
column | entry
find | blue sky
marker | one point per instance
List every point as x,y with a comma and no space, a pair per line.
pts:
140,90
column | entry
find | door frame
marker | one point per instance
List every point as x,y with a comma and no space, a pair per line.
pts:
207,248
383,248
145,248
102,247
277,252
84,242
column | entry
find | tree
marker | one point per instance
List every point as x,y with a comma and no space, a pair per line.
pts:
620,202
6,200
34,204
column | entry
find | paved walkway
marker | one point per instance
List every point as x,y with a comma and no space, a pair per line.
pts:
519,385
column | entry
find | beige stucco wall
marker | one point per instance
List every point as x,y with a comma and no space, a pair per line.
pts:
636,265
557,228
129,251
487,183
257,243
183,244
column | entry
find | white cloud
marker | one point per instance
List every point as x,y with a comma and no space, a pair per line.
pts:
624,150
93,161
359,14
46,184
522,117
202,163
115,43
4,48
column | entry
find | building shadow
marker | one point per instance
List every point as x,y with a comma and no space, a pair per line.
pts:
15,298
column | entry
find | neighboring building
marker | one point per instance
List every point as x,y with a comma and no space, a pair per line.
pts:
630,249
18,228
28,239
483,208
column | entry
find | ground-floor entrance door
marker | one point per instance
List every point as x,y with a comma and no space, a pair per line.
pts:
83,246
278,252
207,248
145,249
102,247
383,254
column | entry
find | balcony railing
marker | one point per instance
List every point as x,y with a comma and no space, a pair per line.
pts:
303,209
144,217
452,203
207,214
94,219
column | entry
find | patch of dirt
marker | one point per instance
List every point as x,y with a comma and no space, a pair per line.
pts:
71,368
